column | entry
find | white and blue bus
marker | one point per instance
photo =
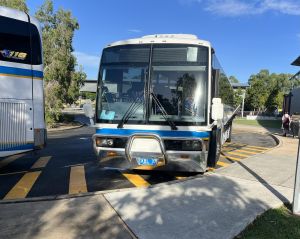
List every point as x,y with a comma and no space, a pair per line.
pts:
22,124
163,102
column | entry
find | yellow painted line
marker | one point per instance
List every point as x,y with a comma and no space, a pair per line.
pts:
257,147
145,167
77,182
9,159
232,158
237,154
222,164
41,162
136,180
22,188
258,151
236,144
210,169
245,151
19,76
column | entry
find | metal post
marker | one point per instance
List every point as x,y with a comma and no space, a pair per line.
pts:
296,199
243,103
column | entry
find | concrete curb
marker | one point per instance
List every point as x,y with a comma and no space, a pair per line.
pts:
62,129
70,196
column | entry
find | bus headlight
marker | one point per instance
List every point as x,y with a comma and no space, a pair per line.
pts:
104,142
191,145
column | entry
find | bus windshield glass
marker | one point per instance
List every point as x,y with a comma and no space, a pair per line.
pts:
176,73
179,81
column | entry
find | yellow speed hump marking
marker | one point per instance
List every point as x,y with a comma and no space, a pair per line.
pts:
22,188
232,158
257,147
77,182
244,151
41,162
234,153
136,180
223,164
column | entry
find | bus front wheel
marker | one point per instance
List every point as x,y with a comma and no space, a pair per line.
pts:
214,148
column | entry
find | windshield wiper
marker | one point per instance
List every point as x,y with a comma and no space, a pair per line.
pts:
129,112
163,111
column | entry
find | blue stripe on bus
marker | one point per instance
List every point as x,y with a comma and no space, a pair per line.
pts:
20,71
21,147
162,133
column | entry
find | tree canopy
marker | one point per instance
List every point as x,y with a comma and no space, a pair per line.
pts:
16,4
266,90
62,80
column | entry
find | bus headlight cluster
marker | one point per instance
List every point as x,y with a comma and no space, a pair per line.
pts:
191,145
104,142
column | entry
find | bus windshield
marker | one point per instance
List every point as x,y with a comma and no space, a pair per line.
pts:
177,74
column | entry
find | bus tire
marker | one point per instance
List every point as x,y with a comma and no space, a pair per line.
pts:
230,133
214,148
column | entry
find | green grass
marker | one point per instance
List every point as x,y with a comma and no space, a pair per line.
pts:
264,123
277,223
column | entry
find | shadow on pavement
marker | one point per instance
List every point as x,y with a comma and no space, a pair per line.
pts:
81,217
207,207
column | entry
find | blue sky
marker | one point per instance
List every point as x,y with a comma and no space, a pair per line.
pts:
248,35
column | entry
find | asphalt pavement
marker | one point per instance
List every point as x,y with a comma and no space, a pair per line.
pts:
68,166
219,204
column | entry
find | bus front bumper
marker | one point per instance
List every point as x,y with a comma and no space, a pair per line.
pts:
179,161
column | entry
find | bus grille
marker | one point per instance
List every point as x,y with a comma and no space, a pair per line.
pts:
12,125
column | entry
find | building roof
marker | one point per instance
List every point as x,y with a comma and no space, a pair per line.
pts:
89,86
296,62
239,85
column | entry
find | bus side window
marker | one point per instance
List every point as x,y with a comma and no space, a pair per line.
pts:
36,45
215,83
15,41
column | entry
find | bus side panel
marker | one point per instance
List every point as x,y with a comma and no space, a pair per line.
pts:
38,88
38,104
15,82
16,125
39,122
16,106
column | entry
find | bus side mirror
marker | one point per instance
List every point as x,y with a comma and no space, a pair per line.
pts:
217,111
88,111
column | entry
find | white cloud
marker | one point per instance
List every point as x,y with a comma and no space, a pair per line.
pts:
248,7
87,60
290,7
230,7
135,30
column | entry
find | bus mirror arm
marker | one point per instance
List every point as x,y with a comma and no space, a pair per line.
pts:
217,111
88,111
92,122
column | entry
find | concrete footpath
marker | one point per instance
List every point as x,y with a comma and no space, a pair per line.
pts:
218,205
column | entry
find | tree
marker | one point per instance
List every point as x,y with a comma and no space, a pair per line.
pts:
225,90
238,97
62,80
233,79
16,4
266,90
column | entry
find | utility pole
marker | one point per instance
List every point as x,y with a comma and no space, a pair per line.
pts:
296,199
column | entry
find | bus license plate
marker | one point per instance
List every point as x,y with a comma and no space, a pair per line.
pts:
146,161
